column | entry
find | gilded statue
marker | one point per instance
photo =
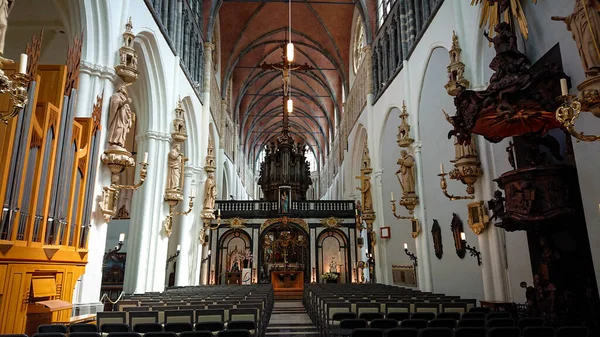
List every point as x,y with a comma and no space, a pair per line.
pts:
210,192
584,24
175,168
121,117
365,189
5,7
406,173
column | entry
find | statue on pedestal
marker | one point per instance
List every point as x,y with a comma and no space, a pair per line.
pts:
121,117
175,168
5,7
210,192
406,173
584,23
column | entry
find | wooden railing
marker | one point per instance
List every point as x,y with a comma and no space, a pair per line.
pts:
398,35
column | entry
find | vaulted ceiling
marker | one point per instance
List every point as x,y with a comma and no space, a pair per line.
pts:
253,32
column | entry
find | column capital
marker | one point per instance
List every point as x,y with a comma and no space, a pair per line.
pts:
209,45
157,135
417,146
98,70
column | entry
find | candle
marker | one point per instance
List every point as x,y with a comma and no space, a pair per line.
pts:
563,86
178,247
23,64
122,237
356,210
405,245
219,212
463,236
145,157
209,252
442,167
392,195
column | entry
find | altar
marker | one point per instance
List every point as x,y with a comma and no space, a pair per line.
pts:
288,284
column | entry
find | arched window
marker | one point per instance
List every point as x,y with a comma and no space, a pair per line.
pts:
358,52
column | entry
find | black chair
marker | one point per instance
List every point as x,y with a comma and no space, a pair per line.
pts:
47,328
209,326
538,331
114,327
147,327
436,332
414,323
473,315
402,332
442,323
529,321
349,325
124,334
241,325
369,316
83,327
471,323
204,333
502,314
399,316
428,316
470,332
367,332
179,327
84,334
485,310
572,331
49,334
504,331
160,334
384,324
499,322
233,333
450,315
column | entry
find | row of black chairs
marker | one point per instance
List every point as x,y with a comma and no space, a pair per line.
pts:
472,332
205,333
144,328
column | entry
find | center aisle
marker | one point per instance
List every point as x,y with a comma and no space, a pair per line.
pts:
289,318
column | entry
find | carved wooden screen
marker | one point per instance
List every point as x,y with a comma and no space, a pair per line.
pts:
436,232
457,228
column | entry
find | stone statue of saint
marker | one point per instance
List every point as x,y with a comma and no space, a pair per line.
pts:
5,7
210,192
332,266
584,23
174,172
406,173
121,117
365,189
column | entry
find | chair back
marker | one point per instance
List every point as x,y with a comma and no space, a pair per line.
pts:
538,331
414,323
384,324
498,314
473,315
504,331
209,326
83,327
498,322
442,323
470,332
179,327
110,317
428,316
114,328
485,310
367,332
437,332
399,316
530,321
179,316
572,331
147,327
204,333
352,324
48,328
137,317
402,332
234,333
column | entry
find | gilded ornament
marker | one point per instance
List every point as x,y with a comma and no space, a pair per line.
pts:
331,222
237,223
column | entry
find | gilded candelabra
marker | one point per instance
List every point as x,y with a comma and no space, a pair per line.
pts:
570,109
110,194
169,219
466,174
16,86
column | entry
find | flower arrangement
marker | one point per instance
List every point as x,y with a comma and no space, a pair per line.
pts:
329,276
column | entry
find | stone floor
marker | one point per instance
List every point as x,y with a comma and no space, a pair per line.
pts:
289,318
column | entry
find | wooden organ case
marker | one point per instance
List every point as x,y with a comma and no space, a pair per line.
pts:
47,169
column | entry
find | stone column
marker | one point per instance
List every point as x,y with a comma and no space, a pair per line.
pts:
188,239
147,244
381,266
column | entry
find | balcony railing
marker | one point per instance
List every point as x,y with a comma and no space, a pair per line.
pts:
397,37
180,22
302,209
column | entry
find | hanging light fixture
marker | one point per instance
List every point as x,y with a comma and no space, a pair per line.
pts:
290,46
290,105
